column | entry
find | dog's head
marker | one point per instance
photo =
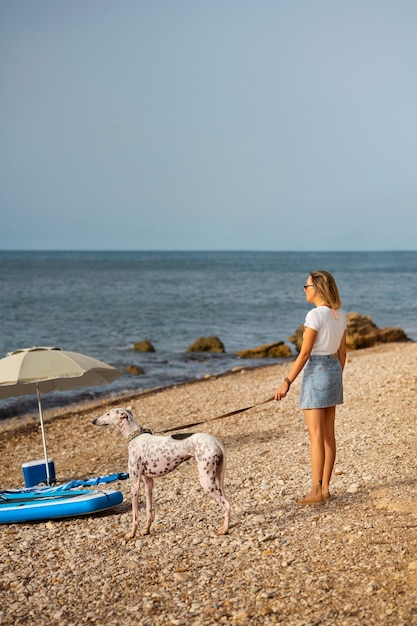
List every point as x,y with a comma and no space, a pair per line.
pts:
122,418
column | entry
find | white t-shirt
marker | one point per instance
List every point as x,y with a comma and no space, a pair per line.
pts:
329,329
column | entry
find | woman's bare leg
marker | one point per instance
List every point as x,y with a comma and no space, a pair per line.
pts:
329,448
315,420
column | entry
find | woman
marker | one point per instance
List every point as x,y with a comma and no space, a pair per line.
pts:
323,353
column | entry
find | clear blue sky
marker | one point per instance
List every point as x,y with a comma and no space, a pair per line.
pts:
208,124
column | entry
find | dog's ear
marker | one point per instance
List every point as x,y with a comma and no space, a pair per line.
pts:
124,414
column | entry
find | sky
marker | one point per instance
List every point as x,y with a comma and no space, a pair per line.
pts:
208,125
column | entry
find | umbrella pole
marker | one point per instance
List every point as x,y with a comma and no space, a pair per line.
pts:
48,480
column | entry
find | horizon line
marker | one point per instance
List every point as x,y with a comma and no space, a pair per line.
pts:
205,250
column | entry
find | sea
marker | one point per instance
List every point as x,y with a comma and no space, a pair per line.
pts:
101,303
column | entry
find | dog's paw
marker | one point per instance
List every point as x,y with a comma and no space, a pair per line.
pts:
144,531
130,535
222,531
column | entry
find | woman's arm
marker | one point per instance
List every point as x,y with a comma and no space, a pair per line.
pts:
341,353
308,342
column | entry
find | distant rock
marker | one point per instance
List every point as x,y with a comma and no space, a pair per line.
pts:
297,337
134,369
207,344
143,346
361,333
267,351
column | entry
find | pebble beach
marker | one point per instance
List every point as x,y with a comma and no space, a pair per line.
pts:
351,561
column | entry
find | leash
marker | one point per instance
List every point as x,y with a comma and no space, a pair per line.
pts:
218,417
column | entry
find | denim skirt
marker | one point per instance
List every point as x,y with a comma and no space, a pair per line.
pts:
322,383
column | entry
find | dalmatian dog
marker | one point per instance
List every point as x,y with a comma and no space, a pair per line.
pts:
151,456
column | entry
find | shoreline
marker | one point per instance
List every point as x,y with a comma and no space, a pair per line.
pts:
102,395
117,399
351,561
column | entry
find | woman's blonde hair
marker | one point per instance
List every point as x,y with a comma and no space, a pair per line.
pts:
326,288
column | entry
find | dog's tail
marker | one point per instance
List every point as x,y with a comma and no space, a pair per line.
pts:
222,468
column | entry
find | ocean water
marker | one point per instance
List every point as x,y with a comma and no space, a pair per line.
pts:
100,303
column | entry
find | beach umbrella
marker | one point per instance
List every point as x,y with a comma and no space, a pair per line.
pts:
45,369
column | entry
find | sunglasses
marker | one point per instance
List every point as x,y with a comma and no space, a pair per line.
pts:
306,286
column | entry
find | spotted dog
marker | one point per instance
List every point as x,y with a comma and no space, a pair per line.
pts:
151,456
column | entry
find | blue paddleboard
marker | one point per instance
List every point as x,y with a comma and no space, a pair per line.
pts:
45,503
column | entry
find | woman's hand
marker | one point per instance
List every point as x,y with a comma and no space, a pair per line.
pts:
282,391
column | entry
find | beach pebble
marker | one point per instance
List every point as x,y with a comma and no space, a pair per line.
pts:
354,488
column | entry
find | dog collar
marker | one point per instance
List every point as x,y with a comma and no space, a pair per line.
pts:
135,433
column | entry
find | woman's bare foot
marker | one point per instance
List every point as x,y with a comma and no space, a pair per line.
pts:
311,499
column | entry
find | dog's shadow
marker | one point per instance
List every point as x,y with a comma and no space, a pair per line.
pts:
251,438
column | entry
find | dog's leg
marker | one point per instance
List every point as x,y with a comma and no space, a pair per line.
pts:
211,475
134,488
221,468
148,495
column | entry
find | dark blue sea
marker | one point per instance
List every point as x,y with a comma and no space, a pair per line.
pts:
100,303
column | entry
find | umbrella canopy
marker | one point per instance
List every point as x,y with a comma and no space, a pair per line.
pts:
45,369
50,369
